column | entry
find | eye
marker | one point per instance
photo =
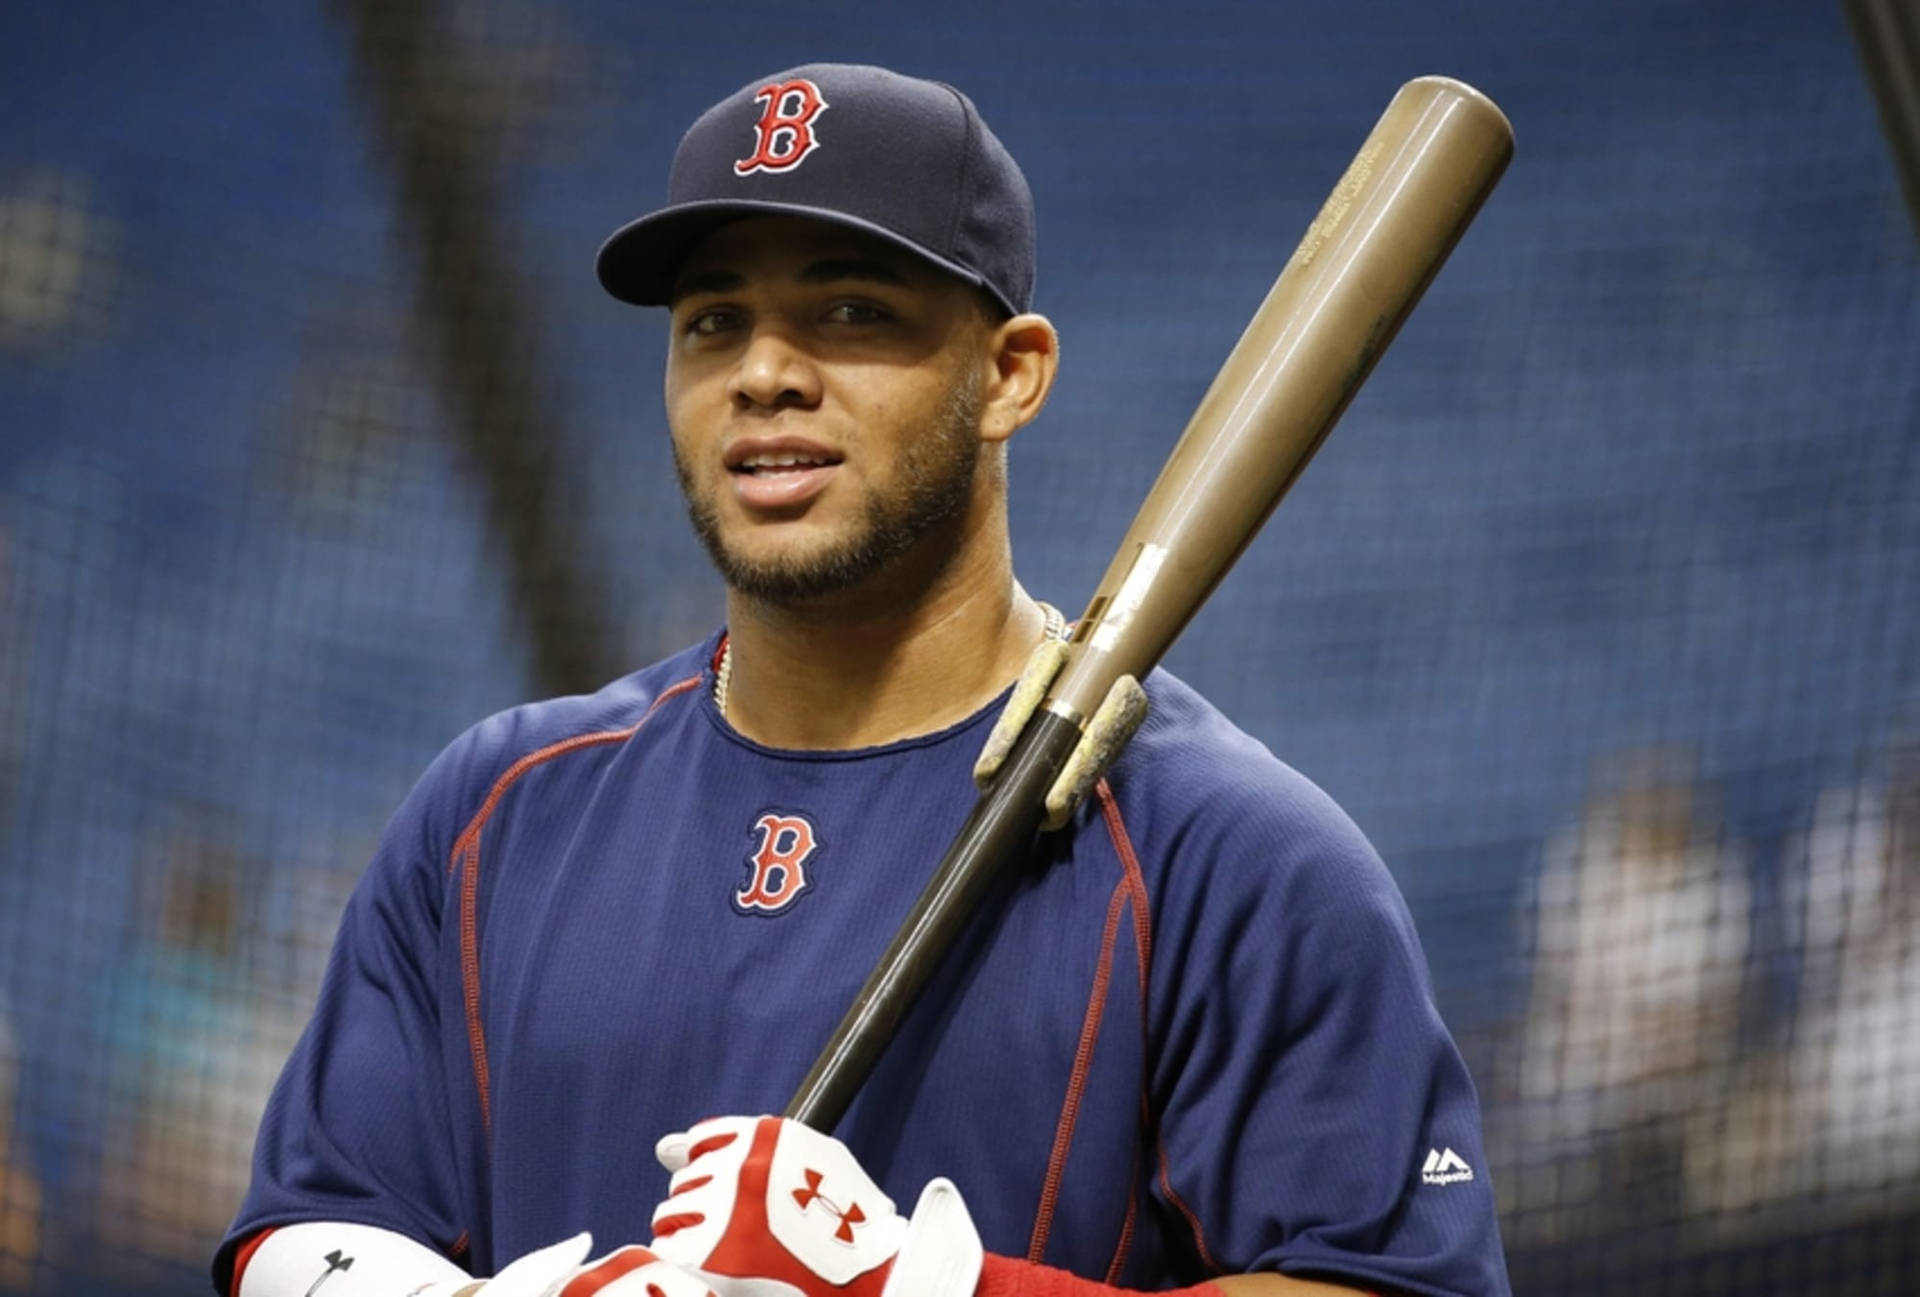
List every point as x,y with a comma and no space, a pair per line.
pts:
857,313
710,320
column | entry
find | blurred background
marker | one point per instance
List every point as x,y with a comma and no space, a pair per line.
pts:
1600,613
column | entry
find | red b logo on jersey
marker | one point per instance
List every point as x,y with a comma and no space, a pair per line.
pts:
778,864
784,134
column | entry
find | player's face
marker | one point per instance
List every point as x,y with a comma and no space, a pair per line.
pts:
824,394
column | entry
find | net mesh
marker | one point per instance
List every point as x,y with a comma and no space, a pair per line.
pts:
1599,613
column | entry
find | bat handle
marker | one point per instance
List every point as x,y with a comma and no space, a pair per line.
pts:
997,833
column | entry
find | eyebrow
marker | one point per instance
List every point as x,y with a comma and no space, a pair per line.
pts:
831,270
707,281
835,269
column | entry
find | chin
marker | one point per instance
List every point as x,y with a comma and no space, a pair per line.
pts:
795,572
798,543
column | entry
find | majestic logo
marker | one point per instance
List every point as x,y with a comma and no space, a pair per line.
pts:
848,1218
1444,1166
778,864
784,134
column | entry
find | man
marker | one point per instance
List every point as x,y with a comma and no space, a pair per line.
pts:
1193,1043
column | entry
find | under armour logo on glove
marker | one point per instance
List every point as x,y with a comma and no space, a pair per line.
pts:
771,1199
337,1261
848,1218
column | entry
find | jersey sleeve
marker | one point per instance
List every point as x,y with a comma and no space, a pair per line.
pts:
1314,1115
360,1127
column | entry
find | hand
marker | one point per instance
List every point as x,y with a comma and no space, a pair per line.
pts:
636,1272
556,1271
537,1274
766,1197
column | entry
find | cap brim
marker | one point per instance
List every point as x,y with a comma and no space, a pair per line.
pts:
638,262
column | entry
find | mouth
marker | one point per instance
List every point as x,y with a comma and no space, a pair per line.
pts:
773,465
779,473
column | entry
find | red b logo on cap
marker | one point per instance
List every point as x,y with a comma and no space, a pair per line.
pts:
784,134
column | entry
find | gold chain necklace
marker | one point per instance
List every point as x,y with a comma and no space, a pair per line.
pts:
1056,628
723,676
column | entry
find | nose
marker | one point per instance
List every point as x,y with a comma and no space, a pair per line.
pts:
774,372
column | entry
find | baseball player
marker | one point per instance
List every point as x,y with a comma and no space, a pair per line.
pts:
1193,1044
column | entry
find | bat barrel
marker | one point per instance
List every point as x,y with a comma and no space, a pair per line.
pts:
1379,239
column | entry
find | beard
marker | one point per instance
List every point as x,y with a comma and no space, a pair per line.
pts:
937,468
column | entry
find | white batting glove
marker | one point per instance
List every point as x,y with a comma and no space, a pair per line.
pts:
338,1259
539,1273
770,1198
334,1259
632,1271
635,1271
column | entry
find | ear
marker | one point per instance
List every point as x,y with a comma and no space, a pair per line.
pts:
1025,354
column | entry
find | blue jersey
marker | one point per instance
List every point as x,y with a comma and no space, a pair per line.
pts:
1193,1036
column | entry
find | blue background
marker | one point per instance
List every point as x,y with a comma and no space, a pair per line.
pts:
1643,469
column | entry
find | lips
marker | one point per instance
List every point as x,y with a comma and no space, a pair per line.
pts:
781,472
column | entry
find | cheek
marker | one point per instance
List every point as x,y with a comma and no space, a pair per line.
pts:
674,394
899,408
691,412
693,375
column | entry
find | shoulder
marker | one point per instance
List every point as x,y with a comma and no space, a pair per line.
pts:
1221,827
490,749
1192,772
486,757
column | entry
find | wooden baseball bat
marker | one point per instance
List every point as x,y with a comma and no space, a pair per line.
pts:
1379,239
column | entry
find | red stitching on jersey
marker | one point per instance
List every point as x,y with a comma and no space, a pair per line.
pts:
466,851
552,750
470,980
1136,883
1193,1222
1143,945
1130,889
460,1246
1124,1244
1118,827
1077,1079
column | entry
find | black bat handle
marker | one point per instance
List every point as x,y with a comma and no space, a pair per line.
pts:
1000,830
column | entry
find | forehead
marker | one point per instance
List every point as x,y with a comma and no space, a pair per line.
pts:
792,248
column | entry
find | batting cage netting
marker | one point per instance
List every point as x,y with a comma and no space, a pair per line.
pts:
1600,612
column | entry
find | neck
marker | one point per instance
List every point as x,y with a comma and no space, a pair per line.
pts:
897,658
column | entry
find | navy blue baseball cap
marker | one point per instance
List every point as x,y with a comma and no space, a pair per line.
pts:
905,160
